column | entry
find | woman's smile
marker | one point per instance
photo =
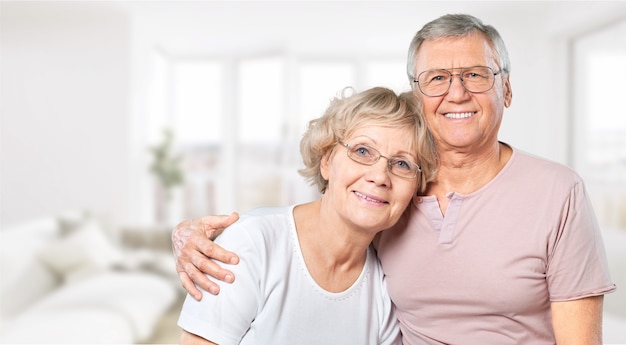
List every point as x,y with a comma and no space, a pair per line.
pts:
370,199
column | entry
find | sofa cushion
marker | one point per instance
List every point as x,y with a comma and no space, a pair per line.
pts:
141,298
18,265
85,251
70,326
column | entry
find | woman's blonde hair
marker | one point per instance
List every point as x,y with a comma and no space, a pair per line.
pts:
346,113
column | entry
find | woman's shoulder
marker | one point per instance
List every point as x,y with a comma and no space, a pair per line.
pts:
266,217
268,211
260,223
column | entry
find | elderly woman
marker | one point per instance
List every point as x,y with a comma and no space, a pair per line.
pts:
307,273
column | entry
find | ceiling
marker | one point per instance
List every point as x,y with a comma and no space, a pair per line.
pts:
198,27
202,27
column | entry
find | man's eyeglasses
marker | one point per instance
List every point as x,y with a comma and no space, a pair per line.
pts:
436,82
397,165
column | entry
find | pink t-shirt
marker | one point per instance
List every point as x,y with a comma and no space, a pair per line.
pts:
487,271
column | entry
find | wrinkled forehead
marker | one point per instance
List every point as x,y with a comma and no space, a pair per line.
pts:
404,136
380,123
456,52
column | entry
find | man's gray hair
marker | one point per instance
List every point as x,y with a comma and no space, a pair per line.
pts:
456,25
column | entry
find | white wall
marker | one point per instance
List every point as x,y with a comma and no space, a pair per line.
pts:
65,110
69,94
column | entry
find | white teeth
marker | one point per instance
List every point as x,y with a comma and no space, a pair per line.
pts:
458,115
366,197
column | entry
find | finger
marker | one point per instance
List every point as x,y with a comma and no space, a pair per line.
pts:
202,281
193,258
211,268
215,251
189,286
218,222
193,290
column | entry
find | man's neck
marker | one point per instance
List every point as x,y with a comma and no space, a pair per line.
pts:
465,172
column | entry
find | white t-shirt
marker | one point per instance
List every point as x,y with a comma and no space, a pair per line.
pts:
275,300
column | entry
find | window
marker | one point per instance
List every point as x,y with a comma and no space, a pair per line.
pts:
260,128
318,83
600,120
238,122
389,73
197,103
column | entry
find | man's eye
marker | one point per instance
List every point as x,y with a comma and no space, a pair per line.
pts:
440,77
473,75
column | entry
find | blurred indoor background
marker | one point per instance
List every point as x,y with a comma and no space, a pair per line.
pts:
122,118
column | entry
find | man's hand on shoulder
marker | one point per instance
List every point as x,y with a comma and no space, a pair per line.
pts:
193,247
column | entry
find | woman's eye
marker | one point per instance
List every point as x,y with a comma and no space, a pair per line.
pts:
402,164
362,151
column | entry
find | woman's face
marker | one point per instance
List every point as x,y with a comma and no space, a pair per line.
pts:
370,197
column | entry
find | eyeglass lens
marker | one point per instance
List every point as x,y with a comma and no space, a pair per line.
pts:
436,82
366,155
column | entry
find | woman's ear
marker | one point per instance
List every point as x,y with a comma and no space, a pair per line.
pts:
325,165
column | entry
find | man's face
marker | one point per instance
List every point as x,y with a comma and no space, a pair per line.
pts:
461,120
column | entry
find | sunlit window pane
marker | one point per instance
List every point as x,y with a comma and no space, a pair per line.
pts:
600,125
197,102
262,94
606,92
607,123
259,125
158,99
318,83
387,73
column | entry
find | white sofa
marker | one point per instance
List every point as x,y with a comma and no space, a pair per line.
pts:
64,284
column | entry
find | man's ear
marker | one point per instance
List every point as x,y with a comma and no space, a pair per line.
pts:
508,93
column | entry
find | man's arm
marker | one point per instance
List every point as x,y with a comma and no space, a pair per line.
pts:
193,246
187,338
578,321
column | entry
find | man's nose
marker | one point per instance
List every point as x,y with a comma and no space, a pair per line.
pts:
456,86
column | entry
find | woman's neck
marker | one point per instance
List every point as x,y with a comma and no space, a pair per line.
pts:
334,254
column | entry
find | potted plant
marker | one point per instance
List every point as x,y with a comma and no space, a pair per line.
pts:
167,168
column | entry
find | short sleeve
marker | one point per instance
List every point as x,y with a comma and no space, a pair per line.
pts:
225,318
577,266
390,327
